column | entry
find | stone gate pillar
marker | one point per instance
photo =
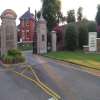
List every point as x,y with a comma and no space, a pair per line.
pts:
8,31
53,36
41,36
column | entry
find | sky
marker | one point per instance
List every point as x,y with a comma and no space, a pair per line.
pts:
20,6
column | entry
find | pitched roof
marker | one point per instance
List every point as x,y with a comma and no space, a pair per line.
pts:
27,15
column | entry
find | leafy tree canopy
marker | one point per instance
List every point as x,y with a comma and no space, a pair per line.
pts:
98,16
79,14
51,12
71,37
71,16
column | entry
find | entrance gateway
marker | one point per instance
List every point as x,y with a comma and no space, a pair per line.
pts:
8,34
8,31
41,32
41,36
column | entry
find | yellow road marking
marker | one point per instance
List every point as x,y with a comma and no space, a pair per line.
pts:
28,78
37,81
24,70
54,93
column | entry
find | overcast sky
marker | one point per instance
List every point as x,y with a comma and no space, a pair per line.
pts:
20,6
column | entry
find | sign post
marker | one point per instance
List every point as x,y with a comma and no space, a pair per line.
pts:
92,41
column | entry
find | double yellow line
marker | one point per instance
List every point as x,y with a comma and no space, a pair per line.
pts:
38,83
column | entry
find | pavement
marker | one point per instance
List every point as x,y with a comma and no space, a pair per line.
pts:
69,82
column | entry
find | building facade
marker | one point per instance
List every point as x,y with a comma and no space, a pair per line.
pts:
26,28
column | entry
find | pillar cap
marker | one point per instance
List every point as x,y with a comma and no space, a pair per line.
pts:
8,13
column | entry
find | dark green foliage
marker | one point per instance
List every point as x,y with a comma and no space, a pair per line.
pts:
20,58
13,56
25,46
98,21
91,26
71,37
51,9
14,52
7,59
38,14
71,16
83,35
98,16
79,14
84,27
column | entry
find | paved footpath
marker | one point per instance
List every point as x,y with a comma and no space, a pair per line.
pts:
13,87
69,82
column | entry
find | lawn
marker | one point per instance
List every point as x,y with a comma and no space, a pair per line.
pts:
91,60
25,46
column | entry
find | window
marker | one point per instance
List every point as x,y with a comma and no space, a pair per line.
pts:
27,23
43,38
27,31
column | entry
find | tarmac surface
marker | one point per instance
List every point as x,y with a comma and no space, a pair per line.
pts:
70,83
13,87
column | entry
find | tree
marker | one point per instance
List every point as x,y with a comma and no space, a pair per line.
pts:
98,16
83,35
59,17
91,26
84,27
38,15
63,20
79,14
71,37
51,12
98,21
71,16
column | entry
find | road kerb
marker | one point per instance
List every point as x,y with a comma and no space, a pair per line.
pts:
57,59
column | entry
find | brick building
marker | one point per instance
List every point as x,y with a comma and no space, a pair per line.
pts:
26,28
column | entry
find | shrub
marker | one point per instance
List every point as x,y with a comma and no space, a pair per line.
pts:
71,37
20,58
25,46
91,26
14,52
7,59
13,56
83,35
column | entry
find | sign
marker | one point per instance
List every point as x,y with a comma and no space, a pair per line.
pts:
92,41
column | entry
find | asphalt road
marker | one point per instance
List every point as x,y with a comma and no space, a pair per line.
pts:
69,82
13,87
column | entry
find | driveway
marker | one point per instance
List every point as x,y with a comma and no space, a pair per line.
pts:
13,87
67,81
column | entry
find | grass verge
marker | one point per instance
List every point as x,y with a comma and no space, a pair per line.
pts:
90,60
